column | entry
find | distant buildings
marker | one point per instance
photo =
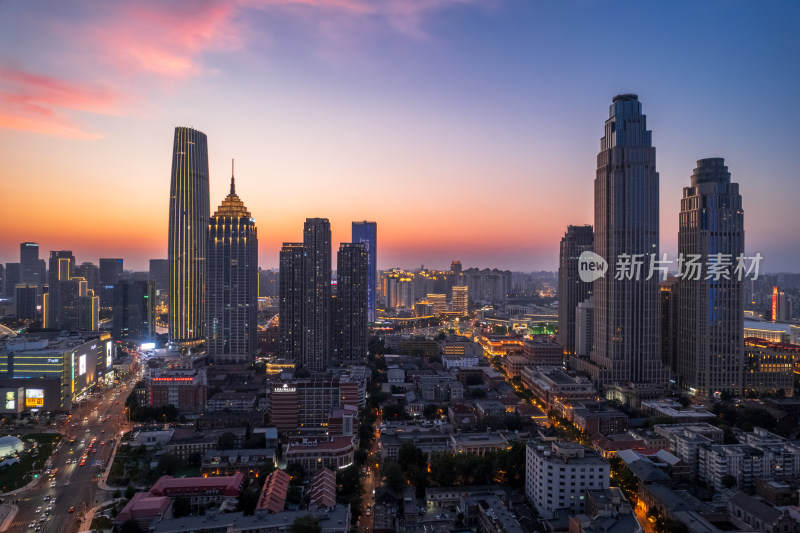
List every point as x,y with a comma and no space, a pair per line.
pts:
188,237
134,310
316,318
232,283
710,315
290,302
367,233
109,274
571,290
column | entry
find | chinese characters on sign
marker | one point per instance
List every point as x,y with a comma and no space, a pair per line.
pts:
691,267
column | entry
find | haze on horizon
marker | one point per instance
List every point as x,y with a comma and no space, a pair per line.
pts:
467,129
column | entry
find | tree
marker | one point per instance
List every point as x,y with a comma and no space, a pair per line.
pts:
294,495
728,481
296,473
394,476
431,411
129,492
226,441
305,524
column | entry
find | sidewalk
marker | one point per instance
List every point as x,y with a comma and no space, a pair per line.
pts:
86,520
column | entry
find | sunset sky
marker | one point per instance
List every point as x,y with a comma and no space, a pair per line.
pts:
468,129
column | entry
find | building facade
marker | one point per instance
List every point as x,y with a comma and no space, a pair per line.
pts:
317,294
710,333
571,290
625,342
232,283
367,233
351,305
188,237
134,310
290,302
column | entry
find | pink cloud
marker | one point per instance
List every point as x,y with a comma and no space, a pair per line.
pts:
32,102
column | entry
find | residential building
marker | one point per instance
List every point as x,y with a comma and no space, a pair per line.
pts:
109,275
350,337
290,302
333,452
316,316
558,476
134,310
367,233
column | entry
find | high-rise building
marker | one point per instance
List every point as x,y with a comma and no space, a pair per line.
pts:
13,277
91,273
30,272
232,283
55,304
781,309
571,290
110,274
367,233
625,344
159,272
134,310
668,325
460,301
317,293
188,237
290,302
710,313
25,301
350,316
584,327
2,280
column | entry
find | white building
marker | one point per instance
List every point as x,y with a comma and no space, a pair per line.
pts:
558,476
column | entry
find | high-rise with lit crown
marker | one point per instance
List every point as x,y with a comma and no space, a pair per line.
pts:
626,308
367,233
232,283
317,293
710,311
188,237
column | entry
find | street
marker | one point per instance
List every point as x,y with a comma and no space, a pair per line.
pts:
74,486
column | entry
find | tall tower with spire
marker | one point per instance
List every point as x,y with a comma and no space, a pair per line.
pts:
232,282
188,237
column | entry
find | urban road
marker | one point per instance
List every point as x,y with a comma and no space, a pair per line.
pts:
61,503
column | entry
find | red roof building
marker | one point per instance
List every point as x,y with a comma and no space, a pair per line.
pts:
273,496
323,489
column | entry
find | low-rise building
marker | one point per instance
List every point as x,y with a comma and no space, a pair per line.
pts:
233,462
273,494
549,383
199,490
336,520
605,421
313,453
557,476
478,443
233,401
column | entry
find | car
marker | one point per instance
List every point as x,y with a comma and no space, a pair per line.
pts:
38,510
71,510
53,483
32,524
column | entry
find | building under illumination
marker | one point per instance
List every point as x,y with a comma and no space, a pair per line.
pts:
188,237
571,290
232,283
316,293
290,302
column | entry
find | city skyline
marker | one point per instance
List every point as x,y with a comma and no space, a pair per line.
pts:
465,131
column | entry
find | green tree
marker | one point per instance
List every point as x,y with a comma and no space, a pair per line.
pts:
305,524
129,491
431,411
394,476
296,472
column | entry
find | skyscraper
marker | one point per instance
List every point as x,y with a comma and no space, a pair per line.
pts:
626,308
110,274
30,273
460,301
13,274
317,293
91,273
188,237
571,290
350,316
134,309
232,283
367,233
159,272
290,302
710,311
55,304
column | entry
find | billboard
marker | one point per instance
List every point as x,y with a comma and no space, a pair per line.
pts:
11,400
34,397
82,365
108,355
147,346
